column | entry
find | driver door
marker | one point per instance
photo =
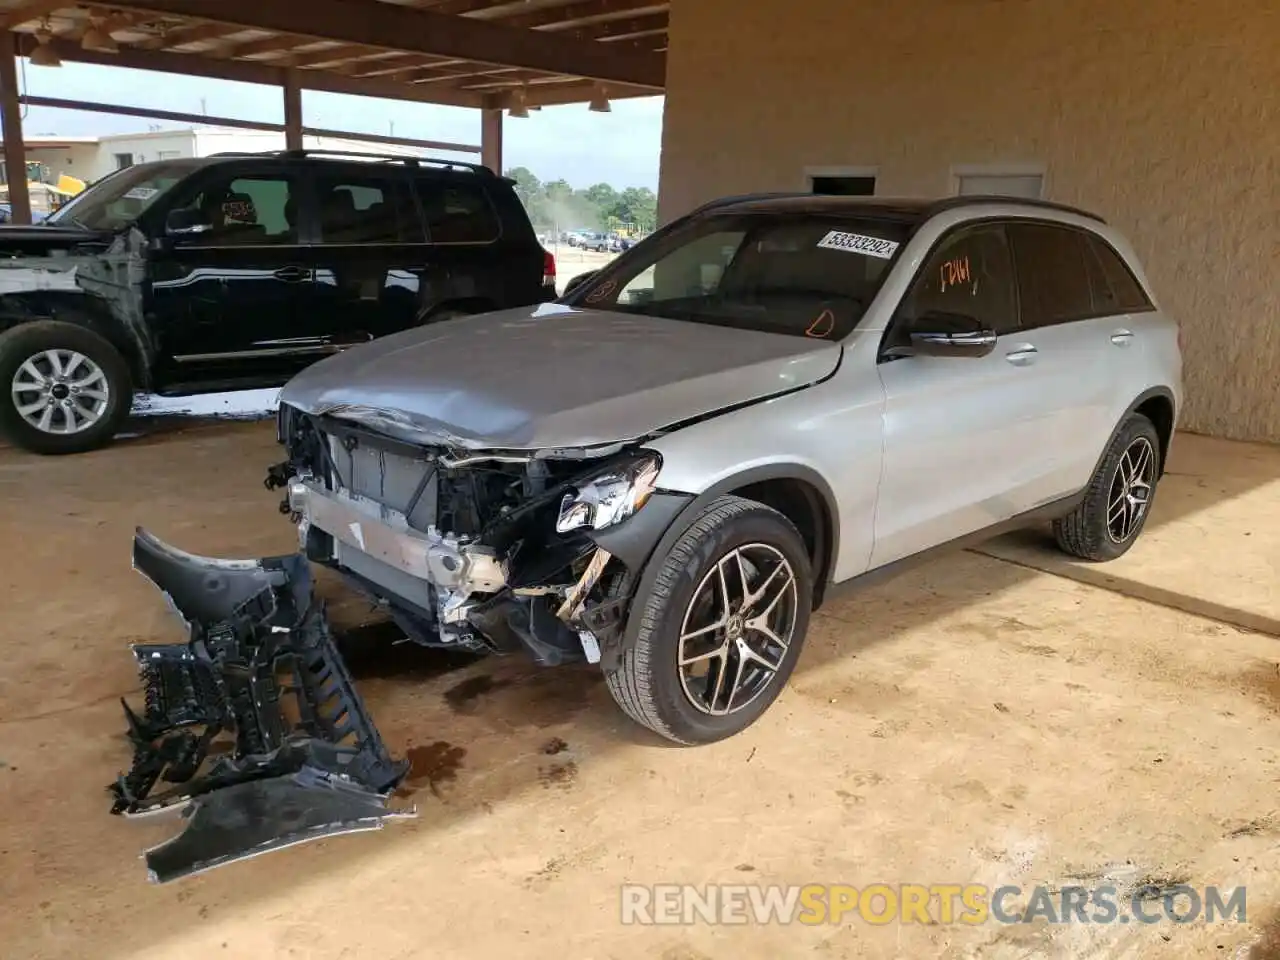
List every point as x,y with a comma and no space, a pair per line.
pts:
233,295
958,431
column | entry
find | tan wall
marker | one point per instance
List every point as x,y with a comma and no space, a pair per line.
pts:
1162,116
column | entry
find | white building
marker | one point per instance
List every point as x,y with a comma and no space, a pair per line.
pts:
89,158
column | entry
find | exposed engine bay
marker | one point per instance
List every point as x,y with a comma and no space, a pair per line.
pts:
486,552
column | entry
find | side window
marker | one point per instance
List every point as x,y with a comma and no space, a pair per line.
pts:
1053,274
457,212
243,211
366,209
1123,293
970,273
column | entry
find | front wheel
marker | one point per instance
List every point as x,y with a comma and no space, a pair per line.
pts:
722,627
65,388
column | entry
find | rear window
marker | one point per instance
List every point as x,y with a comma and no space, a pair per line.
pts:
803,276
1121,292
367,208
457,212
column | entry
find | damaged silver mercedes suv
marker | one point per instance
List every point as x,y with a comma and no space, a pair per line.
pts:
667,471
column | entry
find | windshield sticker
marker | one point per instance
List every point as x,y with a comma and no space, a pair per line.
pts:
141,193
955,273
857,243
822,327
238,210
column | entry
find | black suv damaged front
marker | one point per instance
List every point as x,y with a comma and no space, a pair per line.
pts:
237,271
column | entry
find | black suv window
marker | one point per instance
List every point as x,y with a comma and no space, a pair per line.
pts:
243,211
969,273
1116,290
366,208
1053,274
457,212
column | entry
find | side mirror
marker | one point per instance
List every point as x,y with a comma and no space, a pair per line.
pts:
185,221
578,281
937,334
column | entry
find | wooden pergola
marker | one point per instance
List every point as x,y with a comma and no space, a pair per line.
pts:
491,55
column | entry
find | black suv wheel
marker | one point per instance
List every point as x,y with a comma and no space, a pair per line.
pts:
1118,501
65,389
722,628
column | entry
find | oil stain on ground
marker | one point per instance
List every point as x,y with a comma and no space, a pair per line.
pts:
464,697
431,765
560,775
379,651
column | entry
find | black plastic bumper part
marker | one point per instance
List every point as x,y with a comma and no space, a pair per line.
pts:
253,724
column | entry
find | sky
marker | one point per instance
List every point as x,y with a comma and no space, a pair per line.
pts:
567,142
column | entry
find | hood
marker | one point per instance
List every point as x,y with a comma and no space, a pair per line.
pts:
39,240
553,377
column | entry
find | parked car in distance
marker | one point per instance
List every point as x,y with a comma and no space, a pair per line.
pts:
816,390
237,270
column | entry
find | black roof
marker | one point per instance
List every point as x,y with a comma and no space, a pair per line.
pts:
906,209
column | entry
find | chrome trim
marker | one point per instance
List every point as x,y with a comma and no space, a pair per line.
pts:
319,349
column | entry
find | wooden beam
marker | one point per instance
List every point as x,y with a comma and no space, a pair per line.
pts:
292,111
15,151
422,31
491,140
272,44
587,11
30,11
116,109
248,72
193,34
577,91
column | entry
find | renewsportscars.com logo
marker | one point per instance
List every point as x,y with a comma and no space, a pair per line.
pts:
944,903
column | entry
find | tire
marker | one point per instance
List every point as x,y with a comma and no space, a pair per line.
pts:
648,683
1099,528
101,401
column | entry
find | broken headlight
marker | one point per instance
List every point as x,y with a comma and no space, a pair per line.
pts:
611,496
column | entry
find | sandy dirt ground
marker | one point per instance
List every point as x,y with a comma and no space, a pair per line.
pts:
975,721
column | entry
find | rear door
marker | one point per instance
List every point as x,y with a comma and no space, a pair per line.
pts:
958,431
233,299
1064,313
371,254
479,260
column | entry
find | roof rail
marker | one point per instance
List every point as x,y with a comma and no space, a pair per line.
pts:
950,203
478,168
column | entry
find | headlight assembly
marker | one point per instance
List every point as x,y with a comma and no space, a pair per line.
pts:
610,497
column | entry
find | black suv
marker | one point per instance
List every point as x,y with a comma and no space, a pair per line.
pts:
236,271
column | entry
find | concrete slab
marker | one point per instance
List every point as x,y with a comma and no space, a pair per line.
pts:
1211,546
974,721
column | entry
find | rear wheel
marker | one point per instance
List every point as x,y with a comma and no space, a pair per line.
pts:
1116,505
722,628
65,388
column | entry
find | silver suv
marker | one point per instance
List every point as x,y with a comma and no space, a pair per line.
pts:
669,469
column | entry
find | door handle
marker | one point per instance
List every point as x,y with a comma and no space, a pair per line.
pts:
1121,338
292,274
1023,355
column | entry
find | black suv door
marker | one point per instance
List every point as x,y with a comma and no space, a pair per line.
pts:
483,253
370,252
231,297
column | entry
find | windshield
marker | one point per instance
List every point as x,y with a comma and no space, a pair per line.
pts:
802,275
120,198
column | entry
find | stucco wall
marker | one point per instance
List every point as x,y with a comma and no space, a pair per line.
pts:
1162,116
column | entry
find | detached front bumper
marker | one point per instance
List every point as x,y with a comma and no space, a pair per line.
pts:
252,727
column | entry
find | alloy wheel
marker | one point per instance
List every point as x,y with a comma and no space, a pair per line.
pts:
60,391
737,629
1130,492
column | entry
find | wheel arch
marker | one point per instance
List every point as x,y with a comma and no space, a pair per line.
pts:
1157,404
796,491
80,310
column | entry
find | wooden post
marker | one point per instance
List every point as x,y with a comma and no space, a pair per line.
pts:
292,111
491,140
15,151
